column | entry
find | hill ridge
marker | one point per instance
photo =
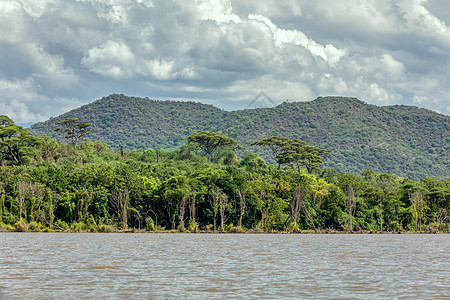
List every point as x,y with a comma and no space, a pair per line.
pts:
403,140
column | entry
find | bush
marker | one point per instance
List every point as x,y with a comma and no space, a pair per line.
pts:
105,228
209,227
6,227
34,226
61,225
149,224
77,227
193,226
235,229
21,226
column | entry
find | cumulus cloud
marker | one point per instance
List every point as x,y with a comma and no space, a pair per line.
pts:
58,54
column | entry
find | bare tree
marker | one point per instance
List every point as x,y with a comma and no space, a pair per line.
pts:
296,201
241,206
47,216
223,204
302,204
182,211
441,217
351,206
192,208
214,200
37,192
23,188
417,206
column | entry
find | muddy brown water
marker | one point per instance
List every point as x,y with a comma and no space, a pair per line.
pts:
218,266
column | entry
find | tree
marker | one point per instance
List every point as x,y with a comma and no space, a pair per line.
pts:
241,205
302,154
253,161
294,151
120,200
417,207
441,217
275,144
297,204
215,203
351,206
16,144
74,129
210,142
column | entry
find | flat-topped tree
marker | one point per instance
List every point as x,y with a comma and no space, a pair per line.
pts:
294,151
302,154
16,144
275,144
74,129
209,142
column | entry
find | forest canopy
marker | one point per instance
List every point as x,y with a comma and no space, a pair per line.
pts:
93,188
401,140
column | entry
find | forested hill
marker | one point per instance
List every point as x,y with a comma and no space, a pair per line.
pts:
402,140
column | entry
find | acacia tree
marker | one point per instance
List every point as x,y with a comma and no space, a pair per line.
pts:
275,144
74,129
298,152
16,144
294,151
210,142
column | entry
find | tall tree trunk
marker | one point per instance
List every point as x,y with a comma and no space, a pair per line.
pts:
182,212
351,206
303,205
215,194
223,203
23,188
297,198
241,206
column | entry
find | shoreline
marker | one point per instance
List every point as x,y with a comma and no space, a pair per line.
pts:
241,231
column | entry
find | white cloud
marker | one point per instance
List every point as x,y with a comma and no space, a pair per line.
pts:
22,102
380,51
328,53
50,69
113,59
419,19
219,11
36,8
13,29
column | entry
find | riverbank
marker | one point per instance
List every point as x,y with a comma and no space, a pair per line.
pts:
102,228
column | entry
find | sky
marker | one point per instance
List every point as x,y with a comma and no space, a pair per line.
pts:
56,55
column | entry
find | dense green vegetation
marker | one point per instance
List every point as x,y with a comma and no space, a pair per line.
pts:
401,140
91,187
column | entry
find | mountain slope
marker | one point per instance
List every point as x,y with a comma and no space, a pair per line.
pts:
402,140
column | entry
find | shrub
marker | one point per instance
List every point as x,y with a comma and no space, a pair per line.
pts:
21,226
149,224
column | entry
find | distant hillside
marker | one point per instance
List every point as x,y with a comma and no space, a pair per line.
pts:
402,140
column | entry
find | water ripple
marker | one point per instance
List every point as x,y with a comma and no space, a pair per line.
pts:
74,266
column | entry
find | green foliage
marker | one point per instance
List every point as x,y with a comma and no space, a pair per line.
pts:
294,151
252,161
17,146
405,141
210,142
97,189
74,129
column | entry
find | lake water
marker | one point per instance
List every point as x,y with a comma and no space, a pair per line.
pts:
217,266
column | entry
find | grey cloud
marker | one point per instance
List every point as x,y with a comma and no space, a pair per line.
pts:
58,54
